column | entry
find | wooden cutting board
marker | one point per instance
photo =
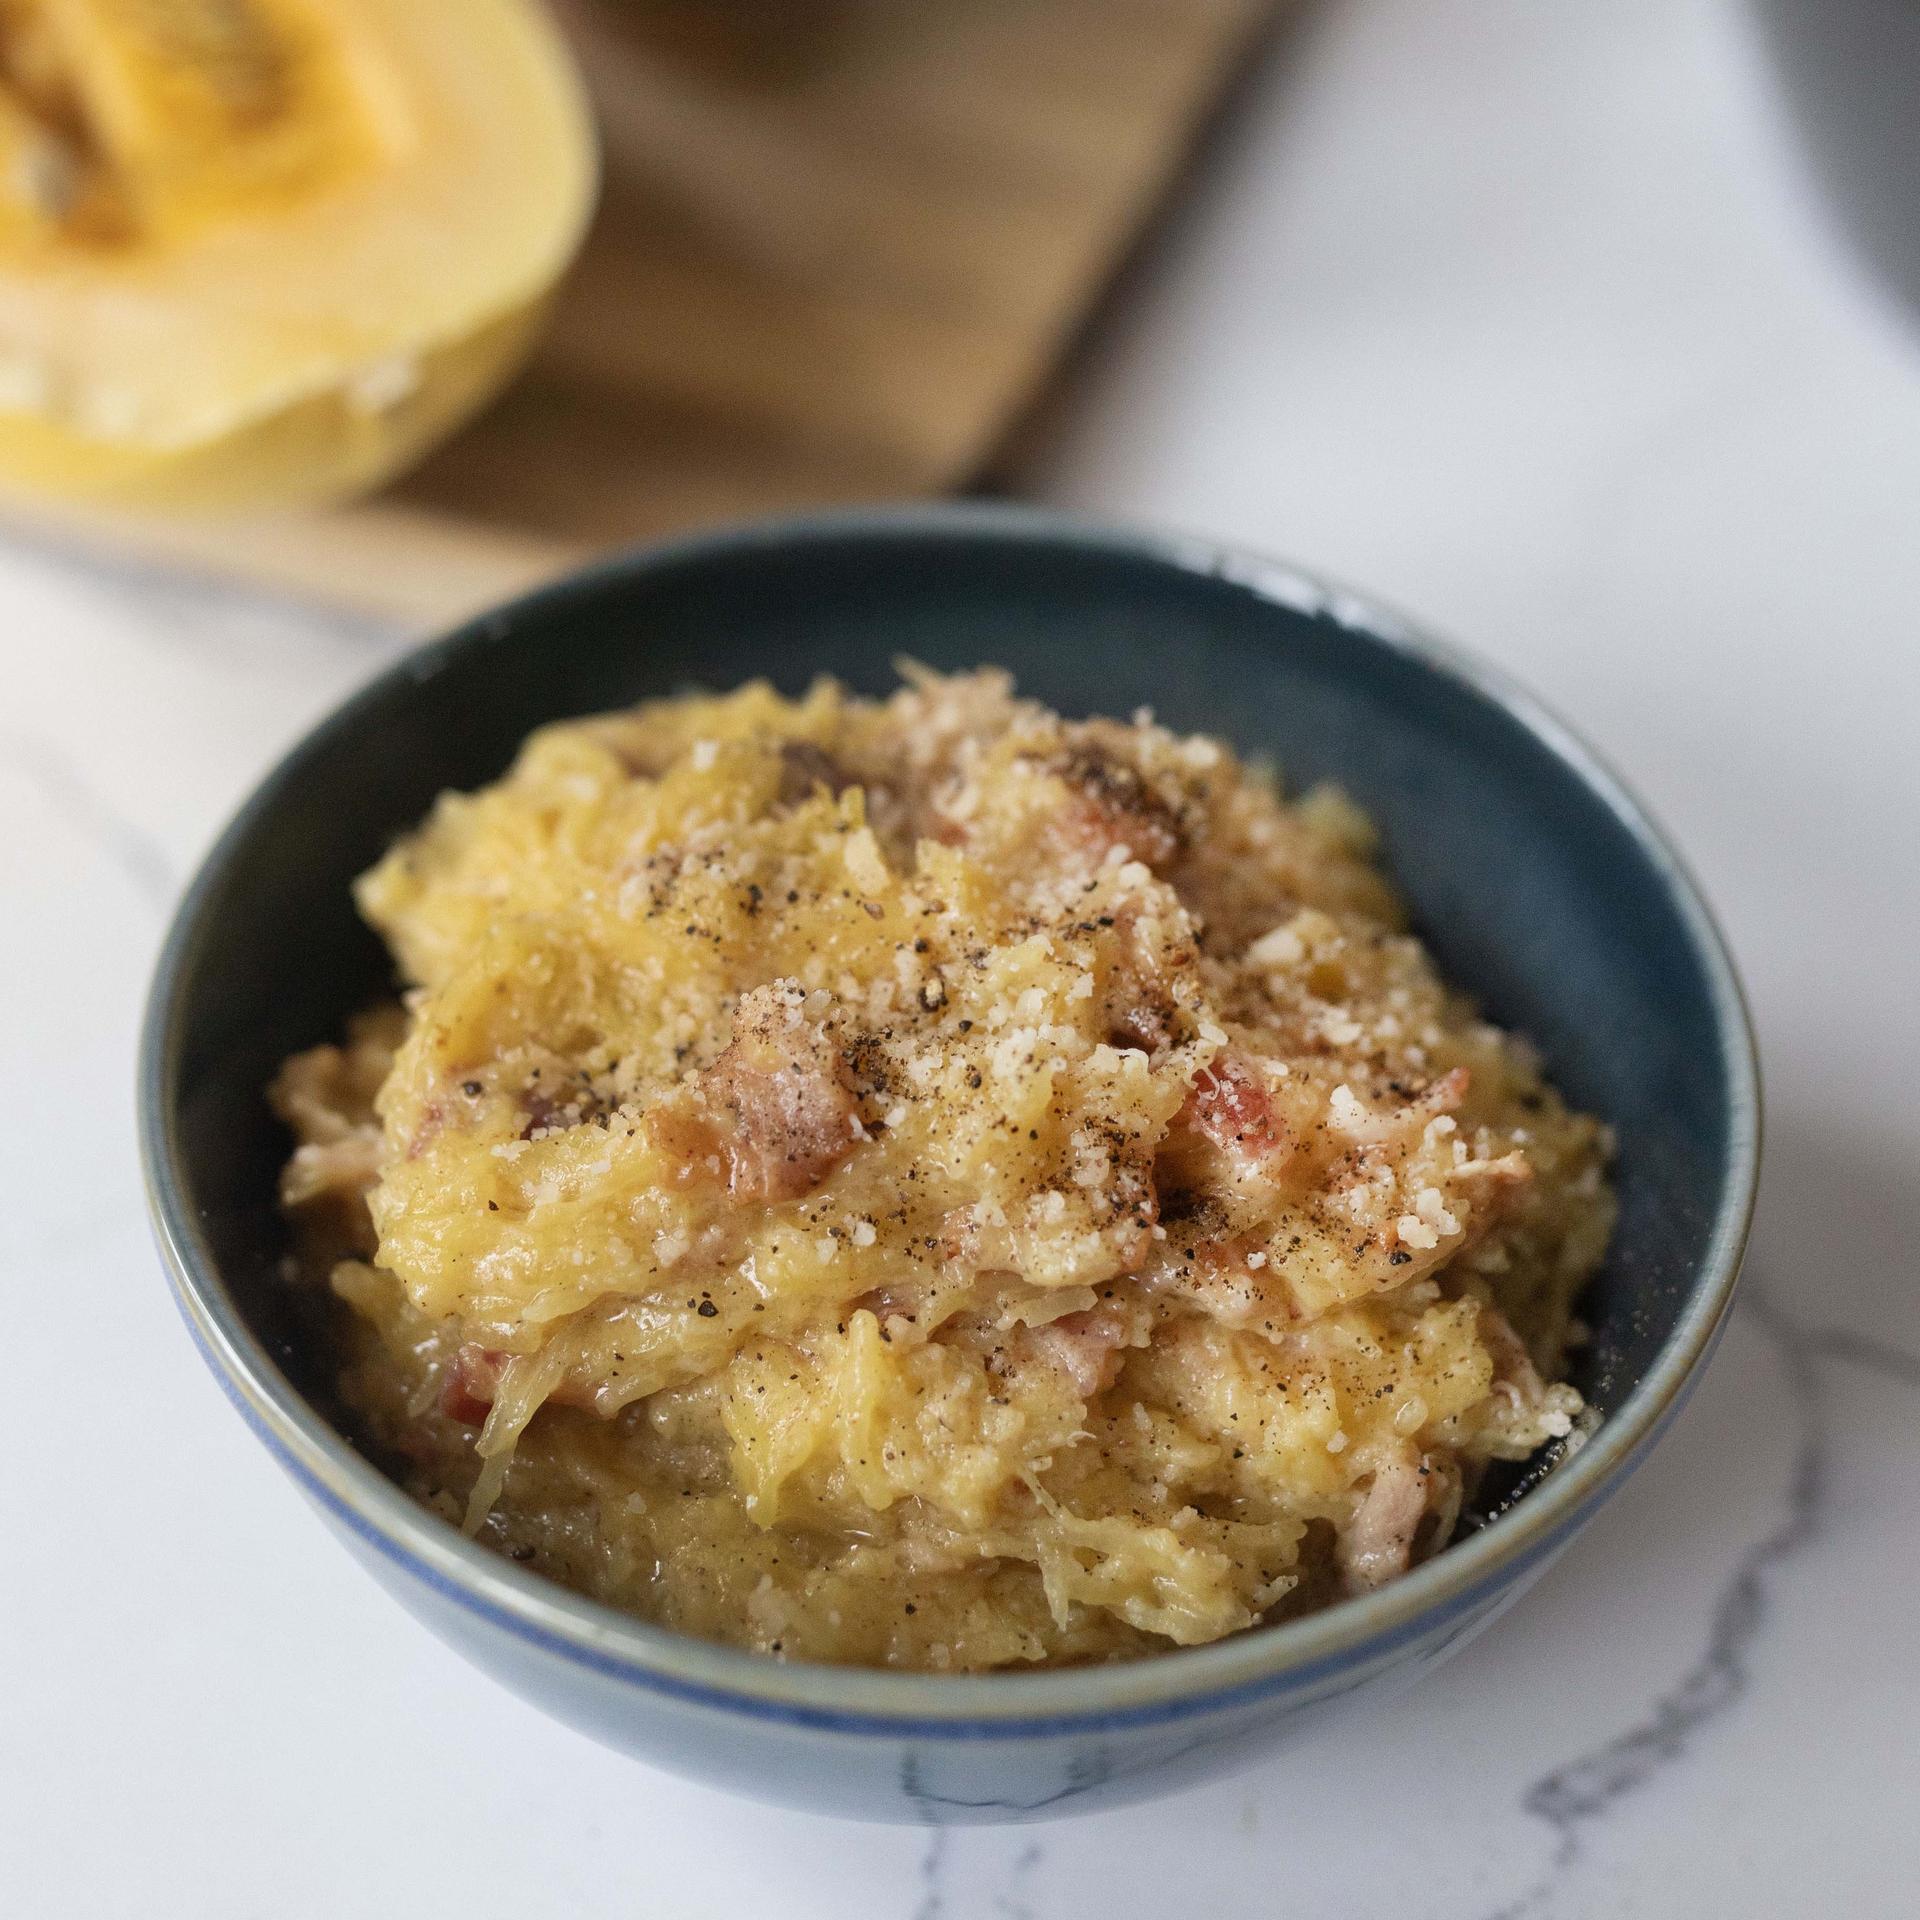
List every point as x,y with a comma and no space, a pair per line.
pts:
840,244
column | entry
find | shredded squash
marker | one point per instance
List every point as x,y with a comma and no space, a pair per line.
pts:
927,1183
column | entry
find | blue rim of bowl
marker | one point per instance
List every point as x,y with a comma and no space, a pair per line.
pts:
1309,1656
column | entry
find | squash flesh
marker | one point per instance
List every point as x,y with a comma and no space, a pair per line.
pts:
169,115
265,207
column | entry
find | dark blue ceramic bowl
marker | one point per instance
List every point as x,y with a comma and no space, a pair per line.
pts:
1539,883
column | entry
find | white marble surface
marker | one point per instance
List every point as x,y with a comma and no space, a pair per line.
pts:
1536,319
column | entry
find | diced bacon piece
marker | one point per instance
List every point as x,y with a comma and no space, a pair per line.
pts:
976,1235
885,1303
1139,1006
1140,1011
558,1102
1088,1347
1515,1377
776,1099
467,1392
687,1140
1141,1023
1114,805
468,1388
1230,1105
1378,1544
805,767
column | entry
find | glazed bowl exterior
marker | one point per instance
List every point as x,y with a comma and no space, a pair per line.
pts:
1537,881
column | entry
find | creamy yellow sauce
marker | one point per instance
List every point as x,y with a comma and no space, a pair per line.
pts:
926,1183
